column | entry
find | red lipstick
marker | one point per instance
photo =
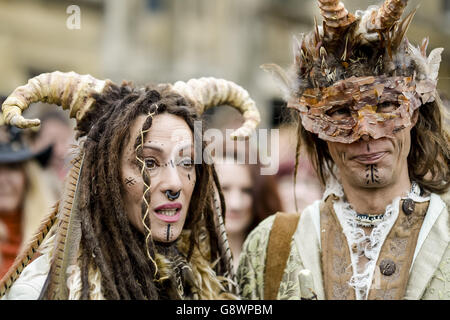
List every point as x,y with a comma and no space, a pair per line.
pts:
166,212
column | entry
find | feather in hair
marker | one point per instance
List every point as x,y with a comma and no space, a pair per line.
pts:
67,238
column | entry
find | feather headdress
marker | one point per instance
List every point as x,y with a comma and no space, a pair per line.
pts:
367,43
351,64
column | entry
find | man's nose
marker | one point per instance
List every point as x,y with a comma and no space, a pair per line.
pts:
366,125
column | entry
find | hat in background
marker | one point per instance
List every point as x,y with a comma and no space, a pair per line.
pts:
13,148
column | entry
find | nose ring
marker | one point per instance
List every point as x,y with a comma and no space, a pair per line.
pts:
172,196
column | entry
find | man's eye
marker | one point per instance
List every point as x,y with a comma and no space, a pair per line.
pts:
339,113
387,107
150,164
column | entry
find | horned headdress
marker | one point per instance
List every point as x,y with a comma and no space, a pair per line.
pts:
78,94
357,74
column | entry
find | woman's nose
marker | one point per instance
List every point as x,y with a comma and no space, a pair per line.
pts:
234,201
172,180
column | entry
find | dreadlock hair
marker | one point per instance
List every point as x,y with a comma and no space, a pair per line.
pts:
428,159
109,242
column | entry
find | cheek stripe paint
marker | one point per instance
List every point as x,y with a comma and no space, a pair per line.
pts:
168,232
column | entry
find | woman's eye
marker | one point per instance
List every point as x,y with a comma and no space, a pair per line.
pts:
186,163
387,107
150,164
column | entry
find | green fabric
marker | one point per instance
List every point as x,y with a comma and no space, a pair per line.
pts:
252,262
250,272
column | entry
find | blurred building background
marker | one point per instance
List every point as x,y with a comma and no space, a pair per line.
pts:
168,40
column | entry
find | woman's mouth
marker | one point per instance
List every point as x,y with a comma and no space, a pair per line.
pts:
170,212
369,158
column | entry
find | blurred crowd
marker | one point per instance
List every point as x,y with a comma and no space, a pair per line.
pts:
34,163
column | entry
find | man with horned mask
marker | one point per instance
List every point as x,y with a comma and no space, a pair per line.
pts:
372,122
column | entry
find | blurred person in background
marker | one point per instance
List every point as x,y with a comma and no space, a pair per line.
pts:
307,185
249,198
25,196
56,131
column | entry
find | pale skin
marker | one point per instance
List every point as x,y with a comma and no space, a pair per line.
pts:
356,160
12,182
373,172
59,135
168,156
236,184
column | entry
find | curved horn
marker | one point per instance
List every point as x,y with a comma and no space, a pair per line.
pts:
69,90
389,13
335,14
209,92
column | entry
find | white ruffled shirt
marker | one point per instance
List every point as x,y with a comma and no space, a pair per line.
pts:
370,245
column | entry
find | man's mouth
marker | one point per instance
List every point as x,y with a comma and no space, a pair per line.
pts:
369,158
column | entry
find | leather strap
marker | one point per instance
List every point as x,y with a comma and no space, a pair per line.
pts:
278,250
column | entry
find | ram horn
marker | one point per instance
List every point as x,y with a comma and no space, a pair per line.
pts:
206,93
335,17
68,90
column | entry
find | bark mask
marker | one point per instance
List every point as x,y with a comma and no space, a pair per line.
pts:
375,106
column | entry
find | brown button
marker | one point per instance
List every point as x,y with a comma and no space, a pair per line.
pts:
387,267
408,206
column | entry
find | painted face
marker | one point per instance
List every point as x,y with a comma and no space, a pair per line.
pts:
354,107
236,184
12,182
167,151
370,163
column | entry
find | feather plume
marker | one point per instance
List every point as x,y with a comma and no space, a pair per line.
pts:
427,68
280,76
221,231
67,238
434,61
400,30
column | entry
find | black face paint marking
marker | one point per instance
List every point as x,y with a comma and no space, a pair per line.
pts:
368,148
189,177
168,233
372,174
130,181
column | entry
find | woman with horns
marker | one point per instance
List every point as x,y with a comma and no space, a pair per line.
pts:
138,218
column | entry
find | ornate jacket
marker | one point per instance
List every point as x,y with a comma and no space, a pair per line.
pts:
426,276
